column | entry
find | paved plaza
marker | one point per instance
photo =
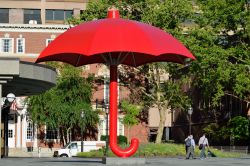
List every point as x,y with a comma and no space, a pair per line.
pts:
149,162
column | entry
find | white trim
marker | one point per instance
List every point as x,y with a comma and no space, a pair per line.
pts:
23,121
29,121
106,79
118,126
33,28
19,55
103,118
23,42
18,132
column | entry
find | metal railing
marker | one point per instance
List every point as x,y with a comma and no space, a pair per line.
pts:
237,149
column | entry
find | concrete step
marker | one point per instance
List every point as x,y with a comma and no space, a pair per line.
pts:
23,152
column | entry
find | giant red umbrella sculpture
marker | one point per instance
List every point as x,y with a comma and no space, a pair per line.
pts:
115,41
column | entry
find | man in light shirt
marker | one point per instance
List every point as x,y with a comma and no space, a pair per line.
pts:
203,142
190,149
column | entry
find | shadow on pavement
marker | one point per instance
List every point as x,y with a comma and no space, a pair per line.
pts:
71,160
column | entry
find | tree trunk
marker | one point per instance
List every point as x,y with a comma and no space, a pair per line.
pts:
161,124
63,137
160,107
68,134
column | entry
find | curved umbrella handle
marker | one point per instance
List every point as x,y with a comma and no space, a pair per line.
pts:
113,119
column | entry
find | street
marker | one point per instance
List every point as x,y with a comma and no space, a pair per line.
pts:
97,161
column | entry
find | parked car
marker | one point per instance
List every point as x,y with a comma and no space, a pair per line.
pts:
74,147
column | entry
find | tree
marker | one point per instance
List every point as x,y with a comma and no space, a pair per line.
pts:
220,42
61,106
163,93
238,128
131,114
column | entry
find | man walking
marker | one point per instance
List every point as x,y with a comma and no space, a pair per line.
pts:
190,149
187,143
203,142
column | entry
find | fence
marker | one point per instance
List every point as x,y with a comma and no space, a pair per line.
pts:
237,149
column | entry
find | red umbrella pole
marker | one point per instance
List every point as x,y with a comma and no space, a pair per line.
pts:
113,119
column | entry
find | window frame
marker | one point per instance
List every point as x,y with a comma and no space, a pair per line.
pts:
17,45
2,45
32,12
7,15
29,130
51,129
66,14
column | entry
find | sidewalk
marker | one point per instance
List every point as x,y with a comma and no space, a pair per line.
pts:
149,162
22,152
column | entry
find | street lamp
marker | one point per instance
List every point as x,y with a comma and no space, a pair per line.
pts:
7,103
82,115
106,107
190,111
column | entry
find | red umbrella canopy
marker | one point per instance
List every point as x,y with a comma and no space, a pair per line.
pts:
115,41
129,42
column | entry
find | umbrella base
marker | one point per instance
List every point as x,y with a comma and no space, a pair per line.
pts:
123,161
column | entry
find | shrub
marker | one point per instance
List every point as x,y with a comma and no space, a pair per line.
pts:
121,139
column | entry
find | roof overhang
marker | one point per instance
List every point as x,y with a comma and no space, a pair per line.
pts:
25,78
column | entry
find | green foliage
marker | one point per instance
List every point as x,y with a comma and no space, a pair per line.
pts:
160,150
131,113
121,139
220,42
62,105
238,128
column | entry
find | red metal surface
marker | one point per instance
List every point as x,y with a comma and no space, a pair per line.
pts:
115,41
113,119
133,43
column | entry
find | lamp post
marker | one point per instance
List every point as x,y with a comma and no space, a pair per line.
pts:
106,107
8,101
190,111
82,115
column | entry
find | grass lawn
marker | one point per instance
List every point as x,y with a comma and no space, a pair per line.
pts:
161,150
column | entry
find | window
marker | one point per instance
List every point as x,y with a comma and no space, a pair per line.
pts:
20,45
106,88
68,14
32,14
51,133
73,146
120,127
58,14
29,130
4,15
101,127
6,45
48,41
10,133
